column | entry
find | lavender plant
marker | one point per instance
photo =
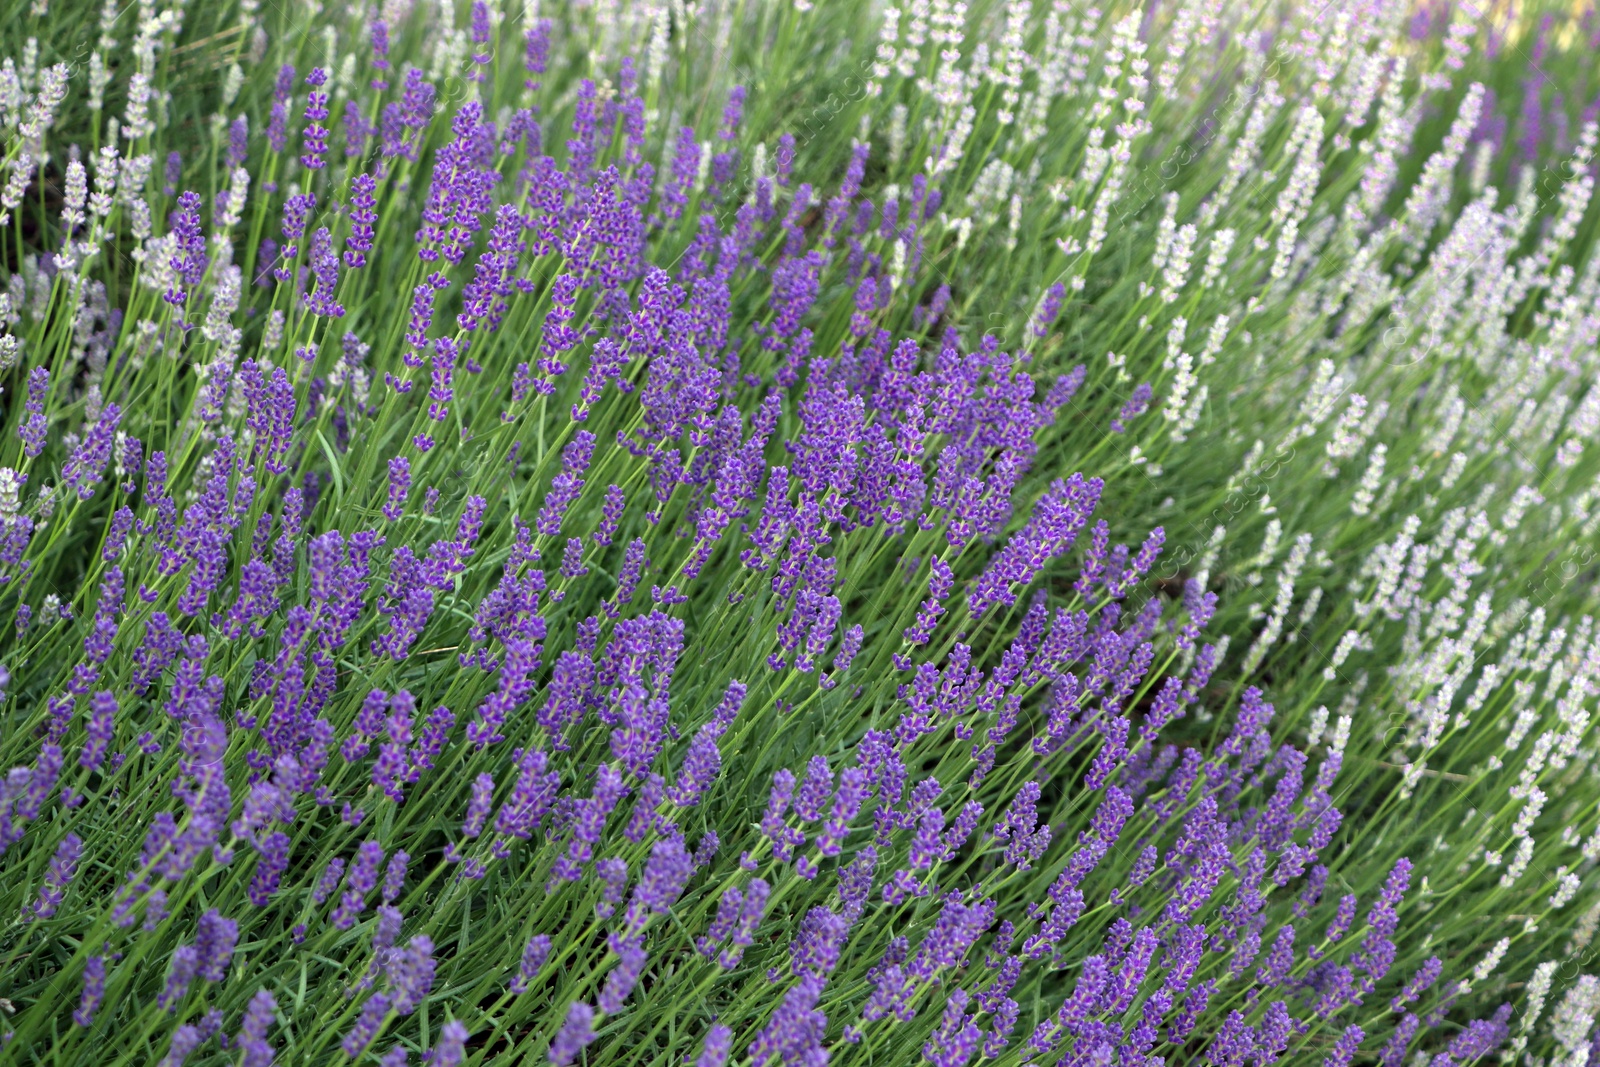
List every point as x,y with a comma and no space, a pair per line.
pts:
785,533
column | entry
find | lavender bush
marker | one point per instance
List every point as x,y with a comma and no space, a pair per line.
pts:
741,533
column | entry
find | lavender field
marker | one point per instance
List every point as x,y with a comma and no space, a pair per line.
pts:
729,533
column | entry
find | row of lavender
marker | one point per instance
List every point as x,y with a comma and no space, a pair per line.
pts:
528,542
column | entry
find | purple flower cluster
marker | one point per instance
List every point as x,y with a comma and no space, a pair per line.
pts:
866,761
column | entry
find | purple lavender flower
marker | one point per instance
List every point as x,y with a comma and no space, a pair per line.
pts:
700,767
411,975
356,132
568,485
278,122
412,114
536,50
818,942
94,988
379,37
271,413
1425,976
325,270
189,248
752,910
1057,519
63,868
214,943
1394,1051
576,1033
1484,1036
181,974
484,299
814,791
783,158
296,216
953,1044
32,431
728,908
238,141
102,726
252,1036
1136,405
718,1043
185,1039
269,870
534,955
360,881
366,1025
478,806
1049,308
328,882
795,1030
87,464
316,135
363,214
480,40
1344,1049
666,872
452,1045
394,877
532,797
399,486
622,978
773,826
